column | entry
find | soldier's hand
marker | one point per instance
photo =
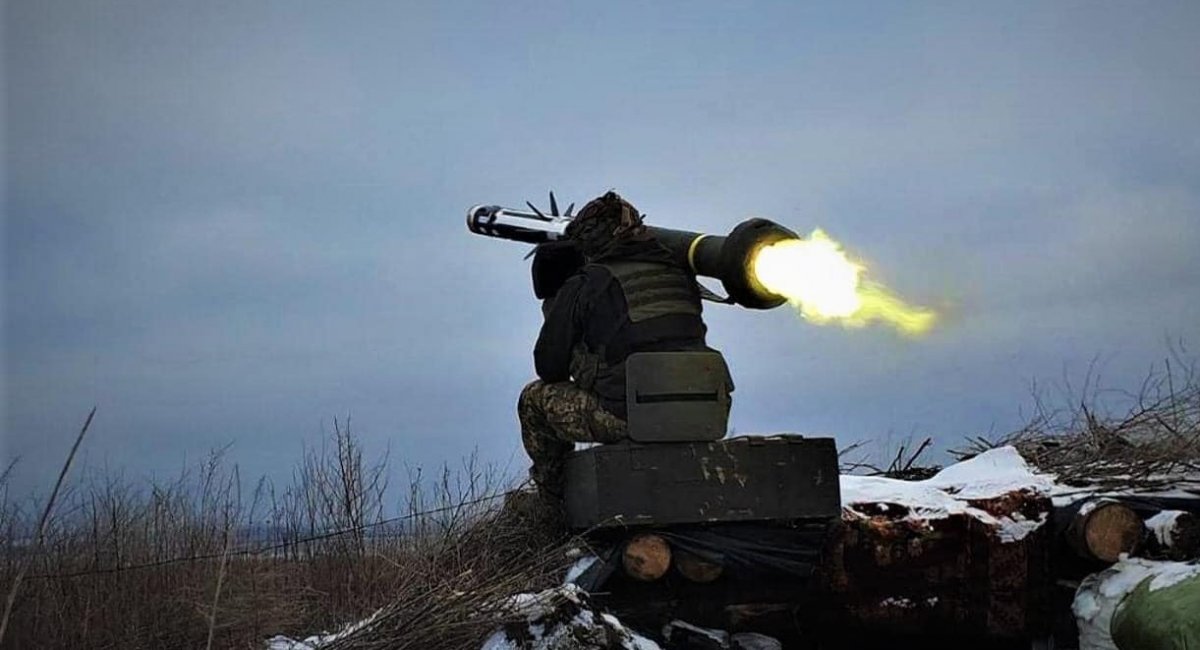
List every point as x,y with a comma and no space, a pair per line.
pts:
553,263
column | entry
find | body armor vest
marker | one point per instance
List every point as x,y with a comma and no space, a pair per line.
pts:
655,289
652,290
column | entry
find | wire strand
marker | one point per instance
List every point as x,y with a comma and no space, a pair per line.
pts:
273,547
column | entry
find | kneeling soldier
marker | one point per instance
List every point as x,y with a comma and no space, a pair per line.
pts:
630,295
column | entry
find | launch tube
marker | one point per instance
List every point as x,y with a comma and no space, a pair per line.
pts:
727,258
517,225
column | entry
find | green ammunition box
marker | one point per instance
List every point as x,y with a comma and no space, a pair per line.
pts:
746,478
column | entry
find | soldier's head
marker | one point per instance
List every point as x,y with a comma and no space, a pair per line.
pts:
604,222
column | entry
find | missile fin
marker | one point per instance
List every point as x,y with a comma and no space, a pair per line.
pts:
537,211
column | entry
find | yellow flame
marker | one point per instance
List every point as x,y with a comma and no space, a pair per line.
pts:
826,286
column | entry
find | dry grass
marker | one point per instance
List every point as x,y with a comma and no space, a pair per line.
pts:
1148,442
179,565
908,461
454,594
14,588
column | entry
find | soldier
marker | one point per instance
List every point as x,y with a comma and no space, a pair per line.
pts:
630,295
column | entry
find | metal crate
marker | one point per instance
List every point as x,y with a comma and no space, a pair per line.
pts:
747,478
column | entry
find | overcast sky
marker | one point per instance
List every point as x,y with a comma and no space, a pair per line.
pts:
231,222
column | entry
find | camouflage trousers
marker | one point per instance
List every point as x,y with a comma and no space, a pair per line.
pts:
553,418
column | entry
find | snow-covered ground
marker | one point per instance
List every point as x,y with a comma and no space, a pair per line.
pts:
544,627
280,642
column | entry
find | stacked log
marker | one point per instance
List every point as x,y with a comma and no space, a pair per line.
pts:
1174,535
898,572
646,557
697,569
1103,530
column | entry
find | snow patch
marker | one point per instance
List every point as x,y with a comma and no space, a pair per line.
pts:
1087,508
581,565
545,629
1173,573
280,642
561,618
1179,485
991,474
1163,526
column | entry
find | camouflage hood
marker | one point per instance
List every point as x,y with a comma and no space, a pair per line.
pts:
604,223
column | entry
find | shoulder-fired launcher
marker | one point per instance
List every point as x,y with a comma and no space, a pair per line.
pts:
727,258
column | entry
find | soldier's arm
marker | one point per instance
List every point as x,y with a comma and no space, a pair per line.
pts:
561,330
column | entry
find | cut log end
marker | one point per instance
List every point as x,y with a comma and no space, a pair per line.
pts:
1106,531
647,557
696,568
